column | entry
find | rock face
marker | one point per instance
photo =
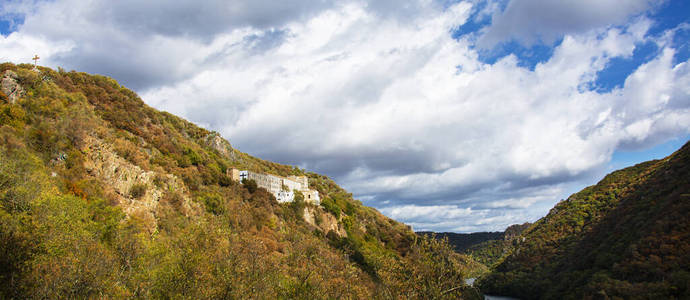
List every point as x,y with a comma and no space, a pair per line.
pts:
514,231
116,172
215,141
326,223
11,87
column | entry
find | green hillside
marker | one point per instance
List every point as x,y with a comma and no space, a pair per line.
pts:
490,252
626,237
102,196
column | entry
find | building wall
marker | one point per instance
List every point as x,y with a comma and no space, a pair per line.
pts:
301,179
292,185
311,196
274,184
234,174
285,196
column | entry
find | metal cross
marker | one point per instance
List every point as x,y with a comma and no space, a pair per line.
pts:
36,58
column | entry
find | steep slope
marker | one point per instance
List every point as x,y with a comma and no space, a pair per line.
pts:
491,251
102,196
627,236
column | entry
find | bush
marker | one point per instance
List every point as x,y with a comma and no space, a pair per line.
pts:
12,115
250,185
224,181
193,157
299,197
214,203
331,207
350,208
137,190
297,206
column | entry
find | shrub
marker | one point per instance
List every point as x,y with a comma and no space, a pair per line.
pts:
137,190
299,197
224,181
350,208
173,198
297,206
158,181
12,115
193,157
250,185
328,204
214,203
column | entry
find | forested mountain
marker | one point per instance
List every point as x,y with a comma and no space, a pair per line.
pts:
483,247
102,196
626,237
463,241
491,251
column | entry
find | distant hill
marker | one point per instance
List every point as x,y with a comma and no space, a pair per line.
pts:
102,196
463,241
484,247
626,237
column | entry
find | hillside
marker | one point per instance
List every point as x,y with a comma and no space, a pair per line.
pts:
490,252
463,241
628,236
102,196
485,248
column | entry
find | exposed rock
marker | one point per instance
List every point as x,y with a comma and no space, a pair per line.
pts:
215,141
326,223
309,217
330,223
514,231
103,163
11,87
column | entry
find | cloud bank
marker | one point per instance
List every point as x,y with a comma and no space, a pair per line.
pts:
383,97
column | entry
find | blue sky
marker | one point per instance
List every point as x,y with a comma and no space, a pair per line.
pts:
667,15
622,159
5,27
447,115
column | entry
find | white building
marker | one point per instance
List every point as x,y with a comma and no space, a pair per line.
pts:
285,196
282,188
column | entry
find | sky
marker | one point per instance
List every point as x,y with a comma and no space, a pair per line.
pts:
458,116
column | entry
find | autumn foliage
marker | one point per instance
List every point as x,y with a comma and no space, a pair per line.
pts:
626,237
67,233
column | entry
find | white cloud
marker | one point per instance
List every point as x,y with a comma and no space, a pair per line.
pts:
19,48
661,97
449,218
145,43
390,104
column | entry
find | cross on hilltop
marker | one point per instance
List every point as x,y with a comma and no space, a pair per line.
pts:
36,58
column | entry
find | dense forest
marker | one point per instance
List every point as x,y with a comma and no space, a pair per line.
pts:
102,196
627,237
